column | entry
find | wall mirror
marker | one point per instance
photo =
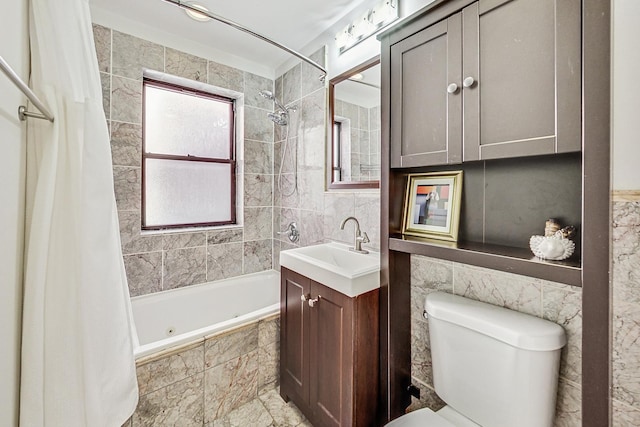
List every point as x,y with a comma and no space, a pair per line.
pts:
353,146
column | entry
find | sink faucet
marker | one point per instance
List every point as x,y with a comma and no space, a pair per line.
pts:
359,238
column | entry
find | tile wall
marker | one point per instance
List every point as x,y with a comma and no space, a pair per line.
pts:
626,309
317,213
161,261
552,301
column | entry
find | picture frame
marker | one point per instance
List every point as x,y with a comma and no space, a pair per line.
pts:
432,205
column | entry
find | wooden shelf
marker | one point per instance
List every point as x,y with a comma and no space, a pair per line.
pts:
503,258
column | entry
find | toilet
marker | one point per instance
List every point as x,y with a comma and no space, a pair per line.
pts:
492,366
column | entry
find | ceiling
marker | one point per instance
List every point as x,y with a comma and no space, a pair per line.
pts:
294,23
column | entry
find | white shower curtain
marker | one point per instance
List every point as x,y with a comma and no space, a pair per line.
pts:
78,367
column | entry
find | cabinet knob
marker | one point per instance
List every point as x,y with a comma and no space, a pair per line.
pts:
468,82
312,302
452,88
303,298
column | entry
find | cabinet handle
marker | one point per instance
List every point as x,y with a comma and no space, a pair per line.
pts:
303,297
468,82
312,302
452,88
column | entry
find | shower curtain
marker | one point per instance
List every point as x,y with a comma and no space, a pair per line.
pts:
78,367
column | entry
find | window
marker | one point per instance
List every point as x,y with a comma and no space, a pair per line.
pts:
188,159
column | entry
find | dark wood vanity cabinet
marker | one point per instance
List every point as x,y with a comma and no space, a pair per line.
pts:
495,79
328,352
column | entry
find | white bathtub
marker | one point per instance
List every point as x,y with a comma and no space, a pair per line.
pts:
184,315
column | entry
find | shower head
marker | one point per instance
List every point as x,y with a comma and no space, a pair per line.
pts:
267,94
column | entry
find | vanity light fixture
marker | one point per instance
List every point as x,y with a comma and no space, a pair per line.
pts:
371,21
195,15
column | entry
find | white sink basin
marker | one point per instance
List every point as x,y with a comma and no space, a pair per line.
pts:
336,267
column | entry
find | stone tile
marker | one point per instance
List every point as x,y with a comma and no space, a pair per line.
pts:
421,366
257,126
126,144
337,207
127,423
428,398
568,405
269,331
180,404
257,223
225,77
126,100
183,240
278,247
258,190
311,131
291,89
430,273
105,81
287,190
258,256
132,54
288,161
185,65
563,305
253,84
102,40
252,414
269,365
224,260
144,273
310,75
230,385
277,87
160,373
626,353
223,348
184,267
215,237
284,414
624,416
311,227
258,157
126,183
132,240
626,214
501,289
311,189
367,210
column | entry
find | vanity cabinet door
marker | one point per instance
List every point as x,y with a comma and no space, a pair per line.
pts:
521,78
294,333
426,96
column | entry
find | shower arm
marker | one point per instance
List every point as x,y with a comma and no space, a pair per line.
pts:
187,6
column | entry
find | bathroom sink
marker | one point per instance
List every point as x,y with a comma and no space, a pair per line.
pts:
336,267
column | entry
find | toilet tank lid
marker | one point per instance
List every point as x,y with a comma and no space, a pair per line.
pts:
512,327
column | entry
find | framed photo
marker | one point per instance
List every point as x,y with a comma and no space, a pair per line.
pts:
432,205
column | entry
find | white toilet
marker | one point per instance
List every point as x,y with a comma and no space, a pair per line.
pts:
493,367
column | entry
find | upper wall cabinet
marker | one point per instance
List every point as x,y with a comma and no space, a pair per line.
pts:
500,78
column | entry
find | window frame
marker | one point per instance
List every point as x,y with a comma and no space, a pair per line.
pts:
146,81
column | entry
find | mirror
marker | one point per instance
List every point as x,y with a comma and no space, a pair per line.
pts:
353,148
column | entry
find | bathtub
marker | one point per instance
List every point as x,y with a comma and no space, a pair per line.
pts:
177,317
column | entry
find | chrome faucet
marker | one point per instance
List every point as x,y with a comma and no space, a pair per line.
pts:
359,238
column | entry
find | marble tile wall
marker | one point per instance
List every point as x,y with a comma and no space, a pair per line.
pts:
224,380
317,213
167,260
556,302
626,310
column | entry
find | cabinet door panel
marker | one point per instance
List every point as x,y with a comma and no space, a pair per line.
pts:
331,355
514,107
294,365
425,118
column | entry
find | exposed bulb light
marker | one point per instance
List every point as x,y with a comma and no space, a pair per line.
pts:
195,15
367,24
357,77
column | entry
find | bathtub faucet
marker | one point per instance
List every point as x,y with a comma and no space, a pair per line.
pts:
359,237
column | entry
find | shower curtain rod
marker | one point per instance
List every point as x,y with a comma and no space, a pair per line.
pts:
187,6
22,110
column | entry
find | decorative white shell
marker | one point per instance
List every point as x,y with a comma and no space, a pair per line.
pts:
554,248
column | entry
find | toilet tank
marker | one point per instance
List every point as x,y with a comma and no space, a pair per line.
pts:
495,366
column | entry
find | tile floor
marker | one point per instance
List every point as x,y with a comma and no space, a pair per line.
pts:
268,410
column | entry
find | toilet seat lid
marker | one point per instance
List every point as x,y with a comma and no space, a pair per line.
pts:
424,417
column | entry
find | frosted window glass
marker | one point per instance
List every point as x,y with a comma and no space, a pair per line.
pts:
186,124
184,192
